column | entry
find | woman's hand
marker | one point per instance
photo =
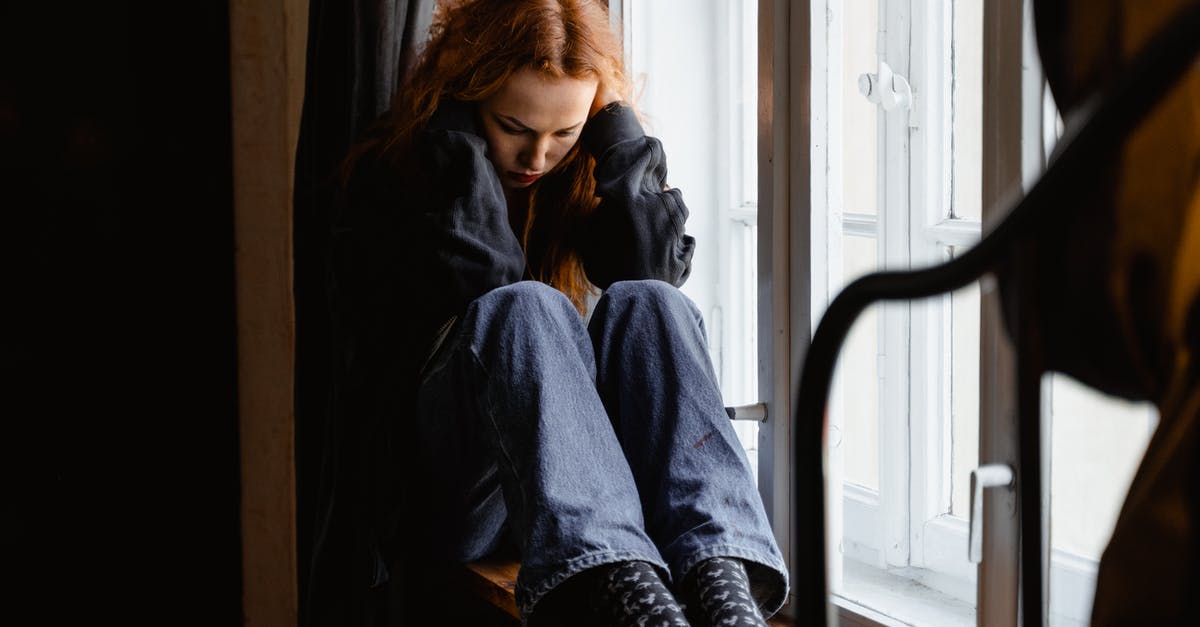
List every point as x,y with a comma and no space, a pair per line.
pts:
605,96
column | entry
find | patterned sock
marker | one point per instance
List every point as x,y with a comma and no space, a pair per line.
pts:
631,594
718,593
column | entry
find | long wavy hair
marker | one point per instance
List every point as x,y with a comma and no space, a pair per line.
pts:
475,46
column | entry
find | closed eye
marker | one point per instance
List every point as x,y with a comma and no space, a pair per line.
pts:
511,127
512,130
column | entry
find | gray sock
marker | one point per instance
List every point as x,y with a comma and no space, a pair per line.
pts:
717,591
631,594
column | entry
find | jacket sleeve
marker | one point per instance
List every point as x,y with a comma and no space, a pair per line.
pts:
637,231
461,243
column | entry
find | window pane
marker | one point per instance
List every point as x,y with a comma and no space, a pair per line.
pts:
964,393
858,375
967,135
1097,443
860,117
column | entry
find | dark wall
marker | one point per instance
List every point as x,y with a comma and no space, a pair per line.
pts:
118,408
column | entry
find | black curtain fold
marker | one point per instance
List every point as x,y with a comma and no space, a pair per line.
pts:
358,52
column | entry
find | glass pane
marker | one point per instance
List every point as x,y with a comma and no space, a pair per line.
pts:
964,396
1097,443
967,138
746,69
694,67
860,117
858,373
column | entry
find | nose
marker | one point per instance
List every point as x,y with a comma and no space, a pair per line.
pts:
536,154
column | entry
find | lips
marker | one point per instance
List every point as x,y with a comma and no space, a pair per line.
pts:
524,179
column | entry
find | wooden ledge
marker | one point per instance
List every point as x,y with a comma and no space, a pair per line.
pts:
494,580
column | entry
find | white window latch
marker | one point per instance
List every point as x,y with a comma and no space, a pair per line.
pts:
886,89
986,476
756,412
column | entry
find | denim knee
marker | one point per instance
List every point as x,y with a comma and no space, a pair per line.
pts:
646,291
514,326
521,300
646,296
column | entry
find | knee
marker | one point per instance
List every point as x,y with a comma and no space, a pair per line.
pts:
515,327
647,293
526,294
521,301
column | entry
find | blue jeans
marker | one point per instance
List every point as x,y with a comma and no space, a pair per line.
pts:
591,445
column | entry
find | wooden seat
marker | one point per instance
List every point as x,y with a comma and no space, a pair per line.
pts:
493,580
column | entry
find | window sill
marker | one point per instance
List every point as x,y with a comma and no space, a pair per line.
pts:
870,596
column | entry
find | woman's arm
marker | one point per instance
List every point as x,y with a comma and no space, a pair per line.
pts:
461,232
428,237
637,232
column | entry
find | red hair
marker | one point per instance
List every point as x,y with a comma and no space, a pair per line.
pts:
475,46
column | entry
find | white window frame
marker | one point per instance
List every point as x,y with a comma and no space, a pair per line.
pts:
915,532
905,523
914,488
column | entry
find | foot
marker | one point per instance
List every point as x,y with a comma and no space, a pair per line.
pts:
717,591
631,594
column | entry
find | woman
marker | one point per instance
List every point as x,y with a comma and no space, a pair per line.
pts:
508,179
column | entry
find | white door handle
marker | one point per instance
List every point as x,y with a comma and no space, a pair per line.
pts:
986,476
886,89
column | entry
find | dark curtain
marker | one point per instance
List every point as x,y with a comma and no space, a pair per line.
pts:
358,52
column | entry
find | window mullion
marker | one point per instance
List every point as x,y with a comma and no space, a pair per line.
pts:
930,198
893,332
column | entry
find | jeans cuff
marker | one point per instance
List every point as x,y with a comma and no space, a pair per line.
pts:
768,573
528,594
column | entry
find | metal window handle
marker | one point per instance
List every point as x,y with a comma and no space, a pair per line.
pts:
886,89
986,476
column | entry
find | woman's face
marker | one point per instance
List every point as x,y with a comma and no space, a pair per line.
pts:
531,124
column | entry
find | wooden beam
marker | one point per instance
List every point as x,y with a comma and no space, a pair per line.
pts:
267,45
494,580
997,594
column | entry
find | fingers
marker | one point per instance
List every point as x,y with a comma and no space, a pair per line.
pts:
605,96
